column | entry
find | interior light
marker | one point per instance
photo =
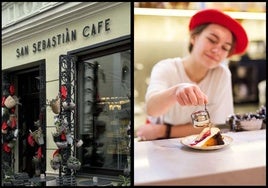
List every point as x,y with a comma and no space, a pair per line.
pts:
189,13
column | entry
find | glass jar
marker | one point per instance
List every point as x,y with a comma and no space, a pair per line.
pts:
200,118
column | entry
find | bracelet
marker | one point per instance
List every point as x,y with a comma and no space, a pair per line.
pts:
168,129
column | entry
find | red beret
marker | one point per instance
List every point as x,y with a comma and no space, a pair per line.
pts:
218,17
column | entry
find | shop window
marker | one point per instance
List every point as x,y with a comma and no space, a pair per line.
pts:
104,112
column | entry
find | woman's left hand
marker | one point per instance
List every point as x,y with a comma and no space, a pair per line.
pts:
151,132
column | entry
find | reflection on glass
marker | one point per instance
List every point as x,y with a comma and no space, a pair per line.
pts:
106,112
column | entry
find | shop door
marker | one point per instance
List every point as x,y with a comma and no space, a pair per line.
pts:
31,115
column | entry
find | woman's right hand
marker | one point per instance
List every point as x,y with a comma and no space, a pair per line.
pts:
190,94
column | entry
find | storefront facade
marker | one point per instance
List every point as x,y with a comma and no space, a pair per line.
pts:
81,53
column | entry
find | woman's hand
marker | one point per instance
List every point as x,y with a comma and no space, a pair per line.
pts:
157,131
190,94
151,132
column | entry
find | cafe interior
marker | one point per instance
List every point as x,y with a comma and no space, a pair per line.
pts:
160,32
169,20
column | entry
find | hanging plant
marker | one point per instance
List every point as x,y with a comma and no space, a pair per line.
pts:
57,122
68,105
11,101
73,163
61,145
54,165
56,136
55,105
55,162
62,127
38,136
12,122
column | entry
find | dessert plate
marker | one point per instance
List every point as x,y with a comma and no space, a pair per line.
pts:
187,141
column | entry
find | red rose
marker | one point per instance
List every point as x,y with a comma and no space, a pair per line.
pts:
4,125
12,110
39,153
13,123
12,89
56,152
63,137
3,101
30,140
63,91
6,148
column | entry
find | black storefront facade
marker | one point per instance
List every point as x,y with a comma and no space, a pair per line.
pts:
80,54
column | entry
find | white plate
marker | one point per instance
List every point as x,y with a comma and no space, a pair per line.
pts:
187,141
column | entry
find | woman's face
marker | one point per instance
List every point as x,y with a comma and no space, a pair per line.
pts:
212,45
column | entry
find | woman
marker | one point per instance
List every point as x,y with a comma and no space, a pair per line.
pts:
180,86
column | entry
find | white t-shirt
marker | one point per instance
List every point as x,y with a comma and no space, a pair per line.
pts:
216,85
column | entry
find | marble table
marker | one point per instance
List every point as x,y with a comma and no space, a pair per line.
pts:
169,162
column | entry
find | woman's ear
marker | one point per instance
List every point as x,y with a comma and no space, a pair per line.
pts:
192,39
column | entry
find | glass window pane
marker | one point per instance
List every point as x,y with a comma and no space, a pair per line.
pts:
105,106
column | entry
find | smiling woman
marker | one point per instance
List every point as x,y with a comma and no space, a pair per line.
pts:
172,25
195,79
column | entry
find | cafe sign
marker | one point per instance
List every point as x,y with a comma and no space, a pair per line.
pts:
67,36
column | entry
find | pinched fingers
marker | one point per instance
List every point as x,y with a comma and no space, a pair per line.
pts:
191,95
200,96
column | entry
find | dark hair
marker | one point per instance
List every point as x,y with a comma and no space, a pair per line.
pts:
199,29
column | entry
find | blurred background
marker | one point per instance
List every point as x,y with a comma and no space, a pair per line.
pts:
161,31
